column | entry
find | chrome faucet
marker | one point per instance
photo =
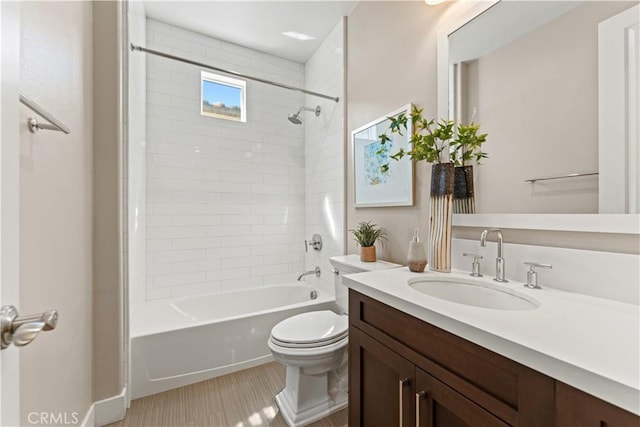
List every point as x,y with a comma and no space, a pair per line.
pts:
315,271
499,260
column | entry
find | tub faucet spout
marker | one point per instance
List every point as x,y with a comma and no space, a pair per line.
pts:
315,271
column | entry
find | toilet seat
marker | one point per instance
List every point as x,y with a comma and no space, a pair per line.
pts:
314,344
308,354
310,330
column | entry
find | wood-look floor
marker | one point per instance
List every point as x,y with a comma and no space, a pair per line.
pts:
241,399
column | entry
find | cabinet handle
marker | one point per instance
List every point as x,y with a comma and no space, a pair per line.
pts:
401,384
419,395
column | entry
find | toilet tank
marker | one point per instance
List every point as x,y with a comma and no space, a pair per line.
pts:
349,264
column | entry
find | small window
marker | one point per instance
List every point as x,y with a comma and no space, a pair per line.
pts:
223,97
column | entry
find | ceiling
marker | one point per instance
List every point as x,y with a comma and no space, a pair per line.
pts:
256,24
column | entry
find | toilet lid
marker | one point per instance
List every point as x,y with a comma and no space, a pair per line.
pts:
310,329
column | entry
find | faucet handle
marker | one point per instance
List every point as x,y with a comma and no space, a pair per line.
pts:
475,256
475,267
532,274
532,265
315,243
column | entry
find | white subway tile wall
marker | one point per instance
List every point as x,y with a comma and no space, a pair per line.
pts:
135,173
324,157
225,200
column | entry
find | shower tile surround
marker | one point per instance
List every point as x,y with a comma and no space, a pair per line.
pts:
225,200
135,182
324,157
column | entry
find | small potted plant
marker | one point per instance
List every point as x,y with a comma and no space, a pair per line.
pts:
366,234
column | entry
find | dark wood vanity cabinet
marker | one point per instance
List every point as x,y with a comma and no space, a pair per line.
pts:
577,408
393,391
380,380
406,372
437,404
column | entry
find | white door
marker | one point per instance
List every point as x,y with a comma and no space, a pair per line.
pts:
619,112
9,203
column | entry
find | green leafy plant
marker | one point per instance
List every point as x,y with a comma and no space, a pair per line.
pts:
366,234
467,145
430,140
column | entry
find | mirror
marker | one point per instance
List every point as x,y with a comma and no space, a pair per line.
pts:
527,71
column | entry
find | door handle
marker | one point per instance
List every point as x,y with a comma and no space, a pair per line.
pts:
402,383
21,330
419,396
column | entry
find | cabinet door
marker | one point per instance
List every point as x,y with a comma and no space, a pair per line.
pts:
438,405
577,408
380,384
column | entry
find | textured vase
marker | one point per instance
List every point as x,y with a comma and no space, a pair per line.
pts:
463,196
368,253
441,208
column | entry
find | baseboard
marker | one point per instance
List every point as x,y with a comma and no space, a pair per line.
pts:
106,411
89,419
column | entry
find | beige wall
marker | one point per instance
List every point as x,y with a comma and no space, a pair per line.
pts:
107,250
55,207
391,61
406,33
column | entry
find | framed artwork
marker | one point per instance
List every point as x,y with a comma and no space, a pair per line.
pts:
380,181
223,97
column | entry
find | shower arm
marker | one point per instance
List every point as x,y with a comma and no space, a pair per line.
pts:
315,110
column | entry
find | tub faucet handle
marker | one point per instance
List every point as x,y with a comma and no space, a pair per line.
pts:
315,243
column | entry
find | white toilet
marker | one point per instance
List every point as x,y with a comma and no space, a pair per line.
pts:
313,347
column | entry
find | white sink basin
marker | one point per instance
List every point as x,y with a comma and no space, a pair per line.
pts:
474,293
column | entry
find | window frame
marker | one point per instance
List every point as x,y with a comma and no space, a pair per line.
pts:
206,76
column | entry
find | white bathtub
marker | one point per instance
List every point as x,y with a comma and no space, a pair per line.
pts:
188,340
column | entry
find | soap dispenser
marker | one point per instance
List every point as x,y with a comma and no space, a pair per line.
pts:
417,259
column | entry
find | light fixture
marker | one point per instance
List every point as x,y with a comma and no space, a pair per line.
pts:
433,2
298,36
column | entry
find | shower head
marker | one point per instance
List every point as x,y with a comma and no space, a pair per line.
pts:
295,117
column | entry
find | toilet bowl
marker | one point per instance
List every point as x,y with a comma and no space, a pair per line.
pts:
311,393
313,348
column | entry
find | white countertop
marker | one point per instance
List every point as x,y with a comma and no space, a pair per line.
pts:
589,343
353,261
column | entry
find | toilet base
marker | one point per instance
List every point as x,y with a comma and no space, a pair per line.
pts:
316,382
309,415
